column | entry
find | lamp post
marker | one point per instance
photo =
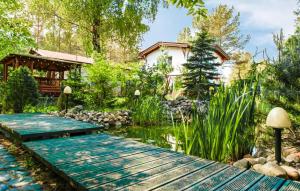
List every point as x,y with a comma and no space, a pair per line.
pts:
67,92
278,119
137,93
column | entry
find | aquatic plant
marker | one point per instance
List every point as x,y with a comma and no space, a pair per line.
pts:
149,111
226,132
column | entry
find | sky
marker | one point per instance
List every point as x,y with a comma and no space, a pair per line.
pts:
259,18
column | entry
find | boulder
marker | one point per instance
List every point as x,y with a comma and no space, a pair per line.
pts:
254,161
270,169
261,160
243,163
291,172
4,178
294,157
288,150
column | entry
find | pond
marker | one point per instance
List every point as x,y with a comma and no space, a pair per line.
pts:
161,136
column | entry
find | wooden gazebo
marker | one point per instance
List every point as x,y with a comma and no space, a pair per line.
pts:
48,71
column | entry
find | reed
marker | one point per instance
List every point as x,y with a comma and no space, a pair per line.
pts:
226,132
149,111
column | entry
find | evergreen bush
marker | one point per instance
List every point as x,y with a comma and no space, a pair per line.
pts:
21,90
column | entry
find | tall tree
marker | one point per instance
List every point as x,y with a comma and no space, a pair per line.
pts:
242,65
201,67
223,25
106,19
185,35
14,28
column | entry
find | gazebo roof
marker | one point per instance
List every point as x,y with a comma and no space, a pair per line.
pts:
62,56
42,62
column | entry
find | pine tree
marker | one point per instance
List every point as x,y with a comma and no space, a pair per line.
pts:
201,68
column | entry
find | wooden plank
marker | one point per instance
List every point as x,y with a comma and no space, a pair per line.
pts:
103,162
218,179
290,186
36,126
268,184
169,176
241,182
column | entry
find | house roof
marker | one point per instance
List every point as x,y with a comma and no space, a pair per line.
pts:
157,45
61,56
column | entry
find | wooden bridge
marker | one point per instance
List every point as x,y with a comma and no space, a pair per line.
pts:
104,162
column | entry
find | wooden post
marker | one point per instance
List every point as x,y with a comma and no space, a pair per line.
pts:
17,63
31,67
5,72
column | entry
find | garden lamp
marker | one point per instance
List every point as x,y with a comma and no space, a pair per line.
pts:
67,92
278,119
137,93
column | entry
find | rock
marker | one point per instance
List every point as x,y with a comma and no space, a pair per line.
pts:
271,158
4,178
294,157
247,156
106,120
291,172
118,124
270,169
288,150
243,163
261,160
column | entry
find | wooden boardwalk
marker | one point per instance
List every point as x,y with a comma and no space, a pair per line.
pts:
29,126
13,176
103,162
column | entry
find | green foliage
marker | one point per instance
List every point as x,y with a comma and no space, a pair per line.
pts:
154,80
21,90
14,28
61,102
201,67
281,87
195,7
76,82
149,111
227,131
185,36
102,77
45,105
223,25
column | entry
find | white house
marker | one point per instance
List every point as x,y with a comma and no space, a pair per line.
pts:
178,54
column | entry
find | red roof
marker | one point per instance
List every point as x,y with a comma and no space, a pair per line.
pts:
157,45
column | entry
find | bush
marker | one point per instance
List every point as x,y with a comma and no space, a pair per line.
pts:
21,90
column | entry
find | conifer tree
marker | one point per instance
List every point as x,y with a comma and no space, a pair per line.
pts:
201,68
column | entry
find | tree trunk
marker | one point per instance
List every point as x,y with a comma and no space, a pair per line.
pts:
96,35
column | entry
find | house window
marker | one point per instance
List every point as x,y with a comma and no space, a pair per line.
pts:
169,60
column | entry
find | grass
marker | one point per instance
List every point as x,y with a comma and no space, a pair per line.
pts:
227,131
149,111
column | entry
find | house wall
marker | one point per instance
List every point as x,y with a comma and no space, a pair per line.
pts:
179,58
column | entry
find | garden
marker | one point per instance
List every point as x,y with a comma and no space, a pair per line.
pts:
200,115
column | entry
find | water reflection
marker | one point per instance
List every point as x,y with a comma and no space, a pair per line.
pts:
159,136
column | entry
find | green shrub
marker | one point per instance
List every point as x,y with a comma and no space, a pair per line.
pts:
21,90
149,111
45,105
61,102
227,131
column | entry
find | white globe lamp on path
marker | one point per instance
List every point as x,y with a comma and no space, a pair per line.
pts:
67,92
278,119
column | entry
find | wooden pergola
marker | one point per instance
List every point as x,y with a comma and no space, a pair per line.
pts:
54,70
